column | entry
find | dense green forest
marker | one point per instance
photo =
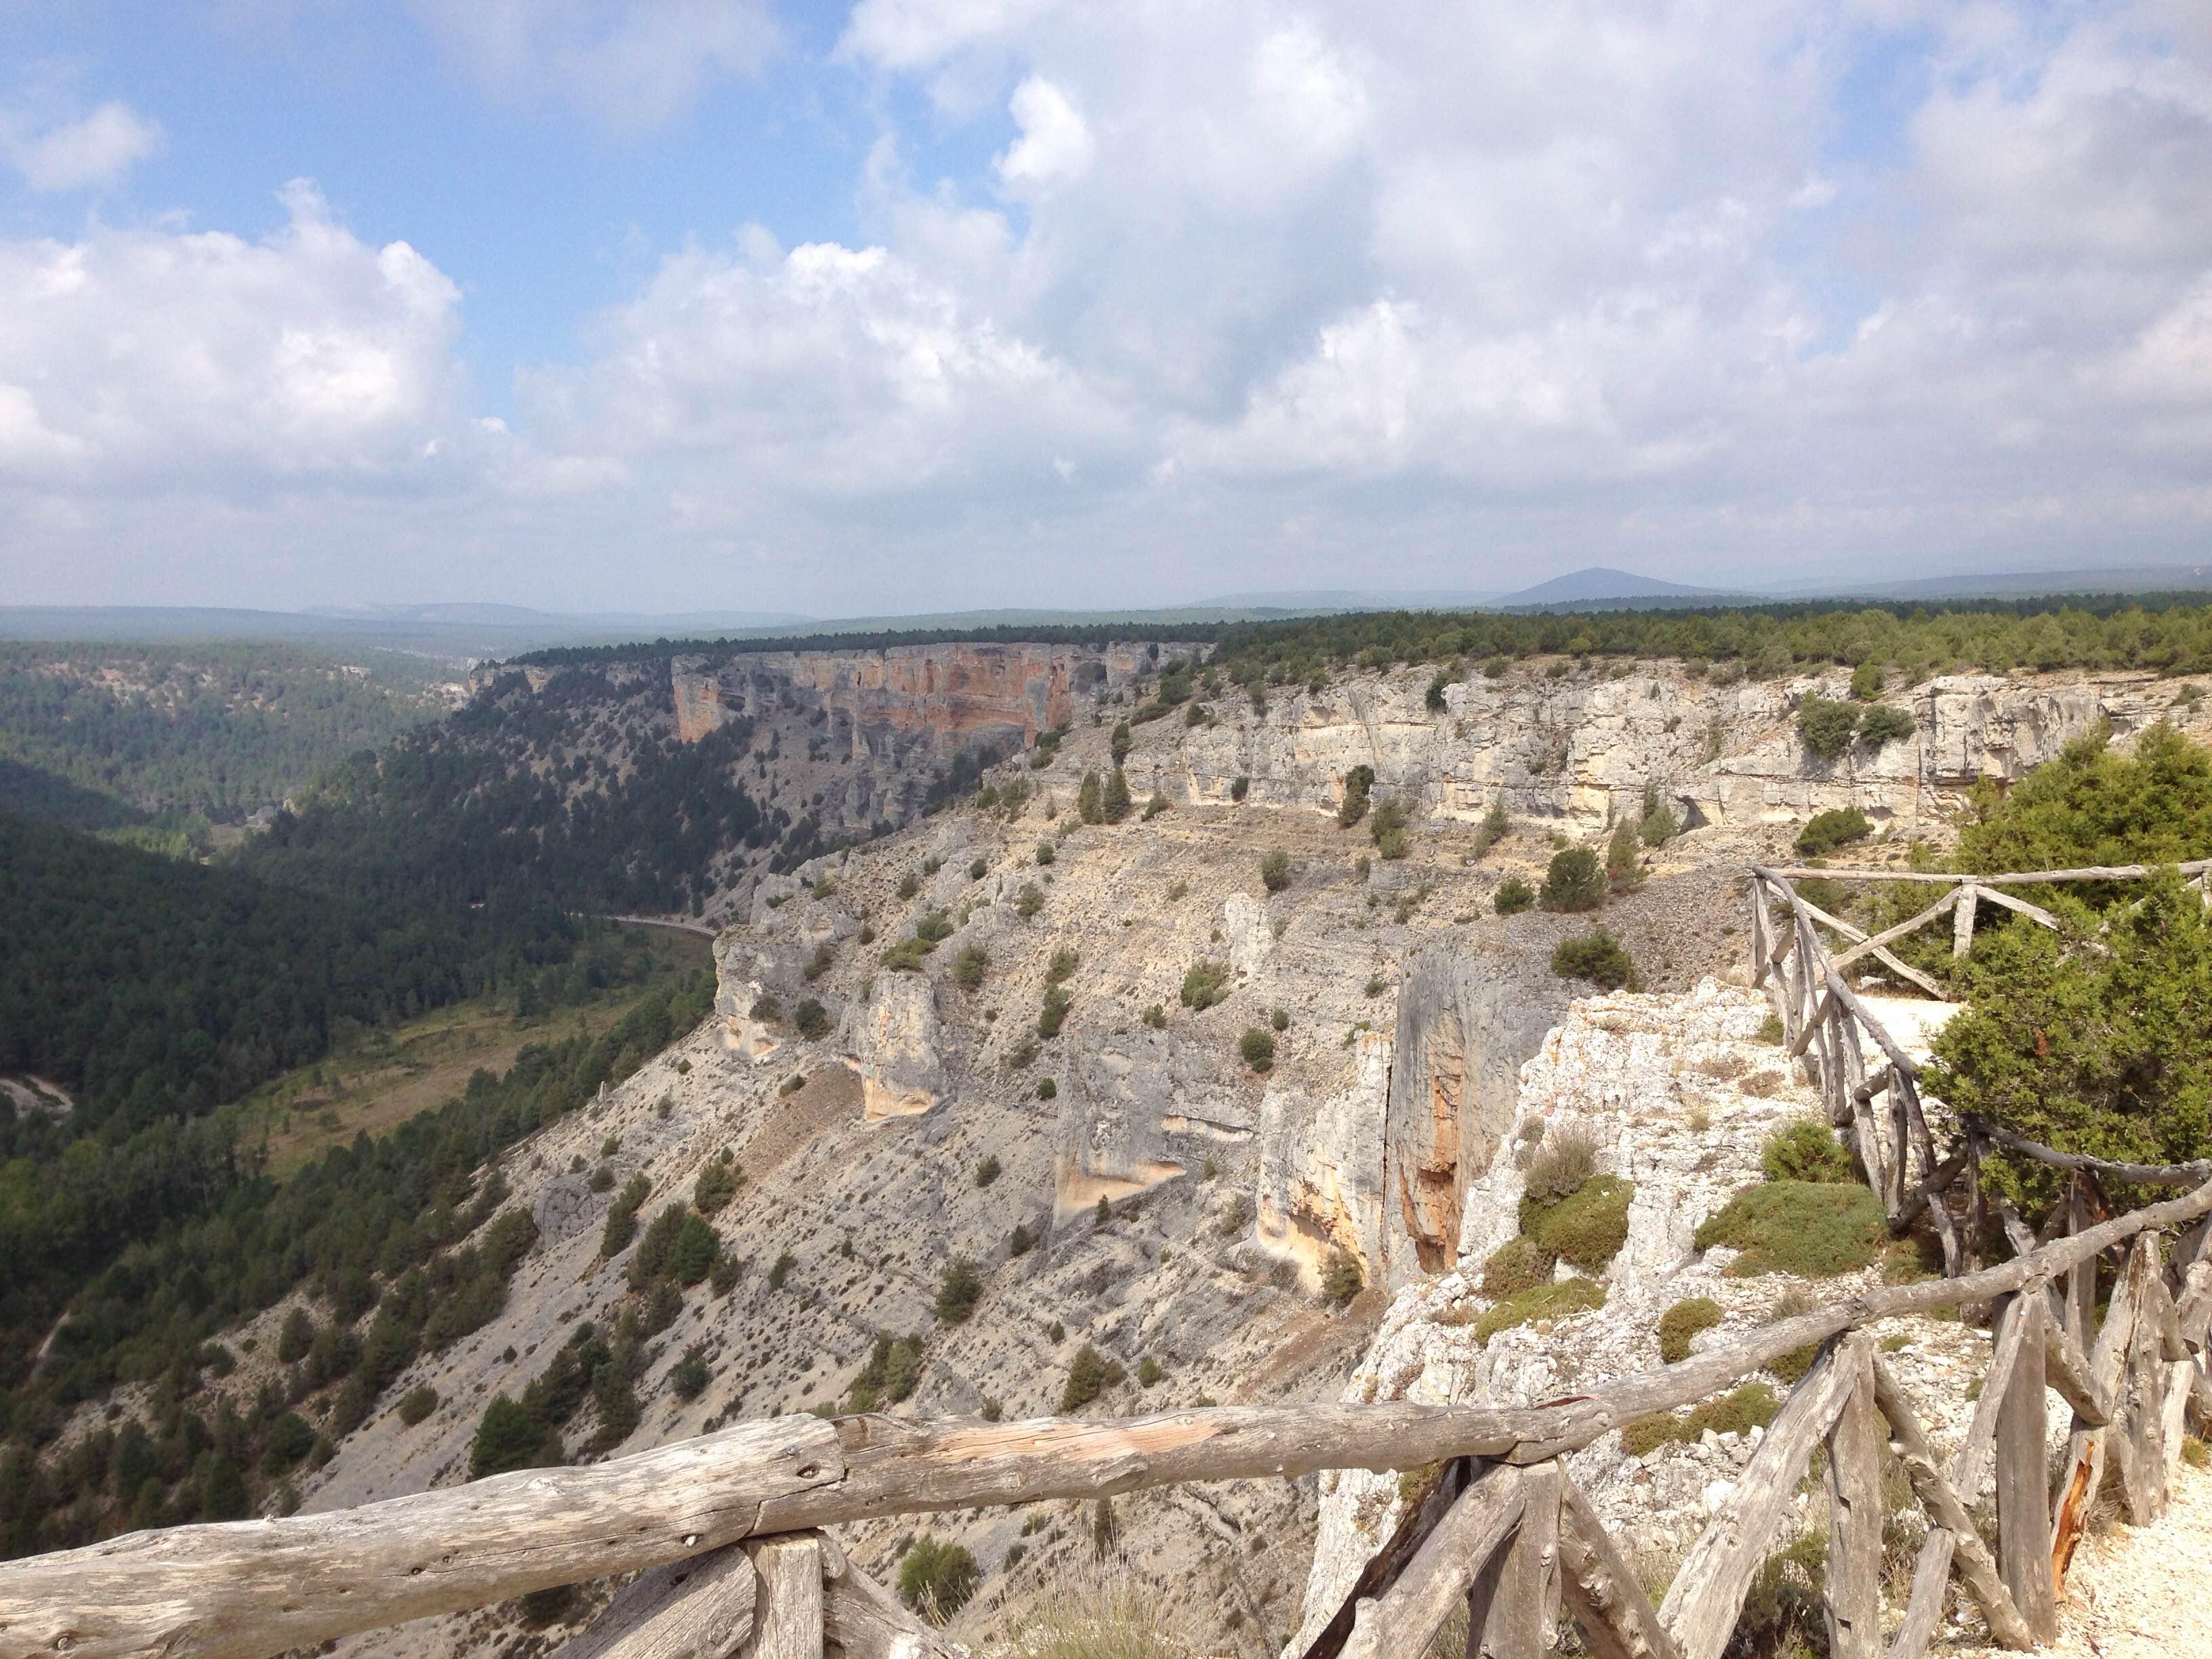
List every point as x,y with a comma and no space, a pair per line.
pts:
573,796
2169,633
400,1243
102,735
1003,634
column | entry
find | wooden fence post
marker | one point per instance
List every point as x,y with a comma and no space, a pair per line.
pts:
1513,1605
789,1624
2023,1478
1853,1601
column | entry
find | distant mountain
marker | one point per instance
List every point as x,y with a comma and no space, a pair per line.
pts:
1322,602
2021,584
1599,586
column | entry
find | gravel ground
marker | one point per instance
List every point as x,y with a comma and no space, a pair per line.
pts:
2142,1593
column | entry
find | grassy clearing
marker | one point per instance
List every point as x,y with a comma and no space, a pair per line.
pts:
380,1079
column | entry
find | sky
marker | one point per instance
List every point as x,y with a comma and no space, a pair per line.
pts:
923,305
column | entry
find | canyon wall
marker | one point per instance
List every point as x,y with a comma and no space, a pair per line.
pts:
1579,747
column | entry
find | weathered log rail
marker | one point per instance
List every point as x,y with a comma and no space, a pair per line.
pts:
725,1533
726,1527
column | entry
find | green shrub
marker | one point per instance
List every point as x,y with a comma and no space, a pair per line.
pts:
1867,681
1513,896
1046,852
1682,1322
1281,1019
1517,1265
1388,828
1586,1227
1624,857
1658,826
824,959
957,1292
978,869
1089,1375
970,966
621,1218
1149,1372
1062,967
417,1403
1884,723
287,1440
1342,1280
1031,899
1114,805
910,885
1555,1300
508,1436
1575,882
1204,984
780,1272
1119,742
690,1376
1826,831
1239,787
1825,727
1275,870
694,1252
1158,803
1047,1089
296,1336
1258,1049
1565,1160
988,1170
717,1184
1805,1149
1811,1230
1054,1014
937,1579
1357,782
1771,1030
1598,958
893,1369
1748,1406
1091,799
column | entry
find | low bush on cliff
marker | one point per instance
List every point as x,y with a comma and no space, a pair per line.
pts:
1598,958
1748,1406
1257,1047
936,1578
1575,882
1826,831
1513,896
1565,1159
958,1291
1811,1230
1204,984
1358,783
1683,1322
1885,723
1342,1280
1275,870
894,1368
1517,1265
811,1020
1825,727
1545,1302
1089,1374
1584,1229
1806,1149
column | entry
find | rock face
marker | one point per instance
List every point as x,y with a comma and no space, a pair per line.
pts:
892,1046
877,701
1585,747
1466,1022
1678,1093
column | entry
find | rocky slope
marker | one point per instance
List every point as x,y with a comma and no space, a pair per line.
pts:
928,1120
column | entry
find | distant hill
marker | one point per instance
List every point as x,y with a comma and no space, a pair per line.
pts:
2023,584
1601,586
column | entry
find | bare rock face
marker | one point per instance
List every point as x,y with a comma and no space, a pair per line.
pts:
1465,1023
1321,1185
891,1044
1679,1093
1585,747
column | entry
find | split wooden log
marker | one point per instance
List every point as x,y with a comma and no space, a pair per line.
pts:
1513,1604
1869,943
1932,1572
868,1622
2023,1481
2143,1175
2141,1401
788,1622
1702,1606
1962,922
1853,1596
2088,1450
701,1607
1978,1568
1605,1596
2019,879
1383,1567
1402,1619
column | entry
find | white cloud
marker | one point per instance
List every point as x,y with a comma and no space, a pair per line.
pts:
632,65
147,360
92,152
1056,144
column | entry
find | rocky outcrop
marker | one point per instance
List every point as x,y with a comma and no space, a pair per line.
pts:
1678,1092
1465,1023
951,696
1584,745
891,1044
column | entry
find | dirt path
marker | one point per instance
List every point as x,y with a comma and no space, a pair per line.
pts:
2142,1593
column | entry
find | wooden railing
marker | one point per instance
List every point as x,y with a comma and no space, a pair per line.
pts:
725,1532
725,1529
